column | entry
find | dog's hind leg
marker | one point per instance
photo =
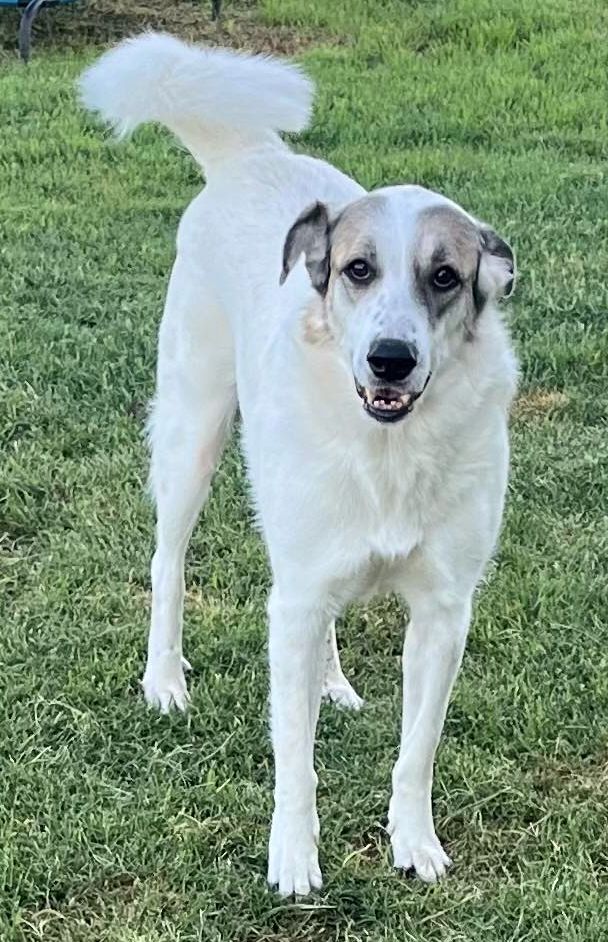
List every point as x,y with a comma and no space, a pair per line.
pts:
194,405
298,629
336,687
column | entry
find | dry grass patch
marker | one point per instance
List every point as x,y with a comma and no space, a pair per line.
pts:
539,403
104,21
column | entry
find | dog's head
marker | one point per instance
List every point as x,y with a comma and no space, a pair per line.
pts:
403,274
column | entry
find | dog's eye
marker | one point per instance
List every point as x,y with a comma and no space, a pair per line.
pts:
359,271
445,278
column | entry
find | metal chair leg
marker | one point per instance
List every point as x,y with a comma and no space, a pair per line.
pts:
25,27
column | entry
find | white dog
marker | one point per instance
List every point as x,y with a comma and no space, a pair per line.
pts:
360,336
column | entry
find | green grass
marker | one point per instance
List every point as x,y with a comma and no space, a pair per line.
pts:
117,825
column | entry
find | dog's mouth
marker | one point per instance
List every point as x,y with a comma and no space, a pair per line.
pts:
386,404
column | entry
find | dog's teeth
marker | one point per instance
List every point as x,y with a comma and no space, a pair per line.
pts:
388,405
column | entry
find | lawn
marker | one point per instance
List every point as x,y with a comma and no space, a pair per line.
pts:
119,825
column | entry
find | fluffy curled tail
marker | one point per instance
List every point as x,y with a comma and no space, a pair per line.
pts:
217,102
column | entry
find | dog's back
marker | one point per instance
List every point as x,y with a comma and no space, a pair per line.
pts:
227,108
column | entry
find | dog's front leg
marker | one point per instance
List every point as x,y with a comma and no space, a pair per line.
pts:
432,653
296,647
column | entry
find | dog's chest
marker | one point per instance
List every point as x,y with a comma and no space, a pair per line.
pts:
393,498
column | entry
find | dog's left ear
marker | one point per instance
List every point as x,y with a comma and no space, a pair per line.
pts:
496,269
309,234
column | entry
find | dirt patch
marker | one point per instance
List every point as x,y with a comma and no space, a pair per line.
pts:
82,912
539,403
99,22
369,845
588,778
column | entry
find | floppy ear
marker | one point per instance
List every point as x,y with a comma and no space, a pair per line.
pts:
309,234
496,269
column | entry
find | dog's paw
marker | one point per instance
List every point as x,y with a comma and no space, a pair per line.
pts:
293,858
164,682
416,847
426,857
342,694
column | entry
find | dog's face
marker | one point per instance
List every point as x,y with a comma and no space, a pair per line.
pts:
403,274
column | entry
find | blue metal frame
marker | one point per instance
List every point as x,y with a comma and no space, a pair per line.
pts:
31,8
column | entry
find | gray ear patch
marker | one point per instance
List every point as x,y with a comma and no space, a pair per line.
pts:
310,235
495,275
497,247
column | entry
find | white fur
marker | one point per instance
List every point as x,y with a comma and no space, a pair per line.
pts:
347,506
235,98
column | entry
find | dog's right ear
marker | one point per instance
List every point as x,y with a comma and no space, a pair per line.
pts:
309,234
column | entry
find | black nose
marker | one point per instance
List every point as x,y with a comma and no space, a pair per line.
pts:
392,360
